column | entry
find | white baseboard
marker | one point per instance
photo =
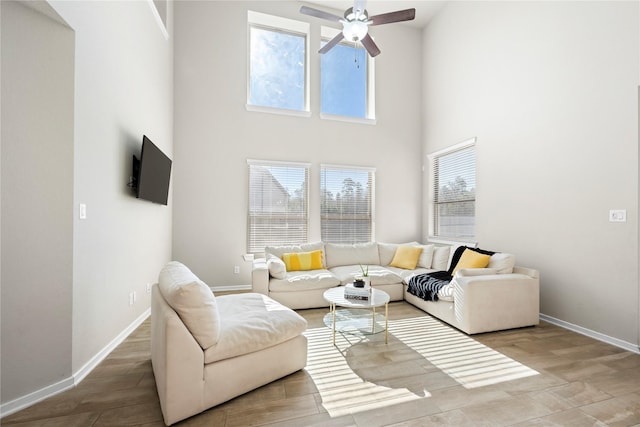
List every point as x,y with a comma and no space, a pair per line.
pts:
35,397
102,354
53,389
592,334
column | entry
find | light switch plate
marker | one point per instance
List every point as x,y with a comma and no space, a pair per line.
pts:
618,215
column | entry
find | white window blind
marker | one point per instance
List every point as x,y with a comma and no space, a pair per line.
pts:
454,192
347,204
278,204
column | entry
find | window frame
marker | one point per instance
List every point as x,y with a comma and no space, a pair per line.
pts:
326,34
250,240
279,24
434,235
371,199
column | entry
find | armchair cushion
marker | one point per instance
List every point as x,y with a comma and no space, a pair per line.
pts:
252,322
193,300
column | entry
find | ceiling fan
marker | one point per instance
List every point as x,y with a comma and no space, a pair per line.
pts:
356,23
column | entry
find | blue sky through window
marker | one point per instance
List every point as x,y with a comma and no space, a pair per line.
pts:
277,74
344,81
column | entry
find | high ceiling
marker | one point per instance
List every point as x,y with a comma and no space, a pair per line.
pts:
425,9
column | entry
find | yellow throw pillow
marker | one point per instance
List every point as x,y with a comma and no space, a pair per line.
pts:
406,257
301,261
471,259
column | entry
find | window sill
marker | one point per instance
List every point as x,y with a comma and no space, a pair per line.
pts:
347,119
281,111
452,241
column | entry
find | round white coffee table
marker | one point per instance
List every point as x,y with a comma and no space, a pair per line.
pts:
335,298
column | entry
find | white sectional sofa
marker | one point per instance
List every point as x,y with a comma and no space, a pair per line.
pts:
499,296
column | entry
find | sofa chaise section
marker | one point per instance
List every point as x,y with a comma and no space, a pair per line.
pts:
206,350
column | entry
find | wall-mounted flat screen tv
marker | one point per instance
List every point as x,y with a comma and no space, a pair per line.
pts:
152,173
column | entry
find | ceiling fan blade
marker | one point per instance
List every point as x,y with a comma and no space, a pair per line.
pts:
397,16
334,41
320,14
370,45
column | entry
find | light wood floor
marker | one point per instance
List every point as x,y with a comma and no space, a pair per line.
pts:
428,374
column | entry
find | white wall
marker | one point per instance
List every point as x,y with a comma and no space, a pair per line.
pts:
123,89
37,196
550,91
63,314
214,135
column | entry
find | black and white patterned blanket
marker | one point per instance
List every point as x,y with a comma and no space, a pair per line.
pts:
426,286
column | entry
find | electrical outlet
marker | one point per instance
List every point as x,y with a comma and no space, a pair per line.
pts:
135,296
131,298
148,288
236,270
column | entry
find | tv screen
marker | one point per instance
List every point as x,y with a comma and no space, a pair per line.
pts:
154,173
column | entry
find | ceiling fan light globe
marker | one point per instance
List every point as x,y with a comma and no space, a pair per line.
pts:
355,31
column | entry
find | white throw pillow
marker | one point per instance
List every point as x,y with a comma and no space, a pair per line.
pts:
440,259
276,267
426,257
502,262
193,300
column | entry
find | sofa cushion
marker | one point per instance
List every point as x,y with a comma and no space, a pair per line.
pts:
426,256
446,292
471,259
386,251
276,267
302,261
305,247
295,281
193,300
252,322
406,257
377,275
359,253
502,262
440,260
407,274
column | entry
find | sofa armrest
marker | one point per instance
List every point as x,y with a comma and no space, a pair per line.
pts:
177,361
534,274
260,276
468,272
497,301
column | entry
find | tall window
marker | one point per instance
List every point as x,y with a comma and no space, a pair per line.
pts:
278,204
346,204
346,86
453,192
278,57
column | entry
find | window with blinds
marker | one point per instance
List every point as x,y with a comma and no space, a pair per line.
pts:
278,204
453,192
346,204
